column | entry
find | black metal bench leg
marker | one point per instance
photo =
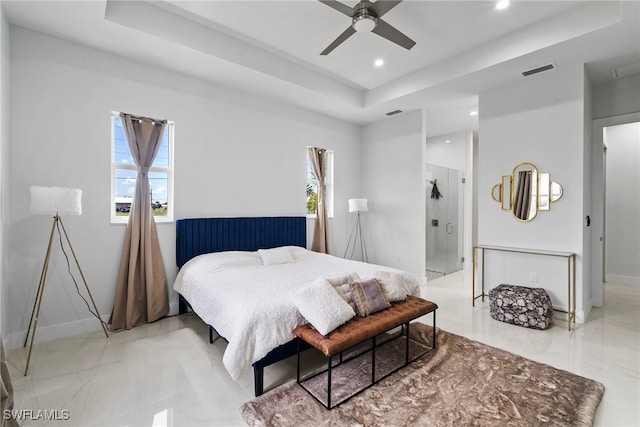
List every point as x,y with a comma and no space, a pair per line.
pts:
406,343
373,360
329,384
298,363
435,341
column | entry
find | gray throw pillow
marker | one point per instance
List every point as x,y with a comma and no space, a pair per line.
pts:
368,297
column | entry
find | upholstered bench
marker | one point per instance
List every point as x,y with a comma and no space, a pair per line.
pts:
520,305
358,330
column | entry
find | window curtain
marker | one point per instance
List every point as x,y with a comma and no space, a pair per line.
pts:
6,391
318,157
141,291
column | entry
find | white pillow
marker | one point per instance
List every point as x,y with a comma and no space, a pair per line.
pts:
280,255
321,305
344,278
392,285
341,285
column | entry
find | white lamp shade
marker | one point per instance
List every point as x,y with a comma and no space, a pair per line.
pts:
56,200
358,205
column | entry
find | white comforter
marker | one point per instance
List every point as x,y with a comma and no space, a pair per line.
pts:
250,304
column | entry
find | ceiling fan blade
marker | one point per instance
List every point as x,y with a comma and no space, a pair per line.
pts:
390,33
340,7
383,6
341,38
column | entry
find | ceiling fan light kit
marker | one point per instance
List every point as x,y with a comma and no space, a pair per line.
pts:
364,23
366,17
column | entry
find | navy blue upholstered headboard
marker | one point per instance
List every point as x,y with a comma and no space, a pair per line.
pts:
196,236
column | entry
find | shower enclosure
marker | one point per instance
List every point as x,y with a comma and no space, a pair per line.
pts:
444,220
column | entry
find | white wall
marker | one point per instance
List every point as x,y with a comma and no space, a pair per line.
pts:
623,203
540,120
618,97
235,155
452,154
4,164
392,166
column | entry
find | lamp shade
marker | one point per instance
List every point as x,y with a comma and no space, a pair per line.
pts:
358,205
56,200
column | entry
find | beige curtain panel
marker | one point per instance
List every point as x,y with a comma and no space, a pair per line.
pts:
320,243
6,391
141,291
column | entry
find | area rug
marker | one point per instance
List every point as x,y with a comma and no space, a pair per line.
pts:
462,383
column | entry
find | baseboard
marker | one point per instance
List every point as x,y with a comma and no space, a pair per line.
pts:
50,333
583,315
622,279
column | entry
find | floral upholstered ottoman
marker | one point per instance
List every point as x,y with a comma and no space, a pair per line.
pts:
519,305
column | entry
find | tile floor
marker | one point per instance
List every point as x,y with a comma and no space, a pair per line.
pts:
166,373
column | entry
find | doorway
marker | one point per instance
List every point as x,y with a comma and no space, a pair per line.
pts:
601,168
444,220
622,203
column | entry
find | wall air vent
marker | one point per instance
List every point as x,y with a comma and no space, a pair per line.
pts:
538,70
625,70
394,112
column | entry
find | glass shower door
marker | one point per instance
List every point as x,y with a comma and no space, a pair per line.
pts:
444,217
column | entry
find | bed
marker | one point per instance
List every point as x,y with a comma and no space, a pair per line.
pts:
232,276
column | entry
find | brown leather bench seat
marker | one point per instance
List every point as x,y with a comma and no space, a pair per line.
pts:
357,331
360,329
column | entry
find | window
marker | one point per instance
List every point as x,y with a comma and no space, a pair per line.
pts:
312,187
124,175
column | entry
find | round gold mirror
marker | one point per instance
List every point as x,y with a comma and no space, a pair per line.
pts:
556,191
496,192
526,192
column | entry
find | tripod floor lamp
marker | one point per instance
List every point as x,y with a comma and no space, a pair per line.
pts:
55,201
357,206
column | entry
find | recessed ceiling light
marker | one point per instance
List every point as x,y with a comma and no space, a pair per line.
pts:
473,113
502,4
379,62
448,141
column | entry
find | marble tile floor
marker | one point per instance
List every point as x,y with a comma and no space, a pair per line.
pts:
432,275
167,374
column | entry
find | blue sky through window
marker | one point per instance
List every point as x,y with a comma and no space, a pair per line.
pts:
126,179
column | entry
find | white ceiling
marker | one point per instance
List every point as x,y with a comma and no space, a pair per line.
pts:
272,48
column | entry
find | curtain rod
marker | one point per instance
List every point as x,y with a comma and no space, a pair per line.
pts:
139,119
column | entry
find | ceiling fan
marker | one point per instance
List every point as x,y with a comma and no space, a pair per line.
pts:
366,16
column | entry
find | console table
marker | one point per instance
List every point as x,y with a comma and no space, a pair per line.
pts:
571,274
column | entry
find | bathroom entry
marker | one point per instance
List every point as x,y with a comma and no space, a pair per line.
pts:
444,217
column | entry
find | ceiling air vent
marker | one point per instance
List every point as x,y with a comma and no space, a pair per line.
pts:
394,112
538,70
626,70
